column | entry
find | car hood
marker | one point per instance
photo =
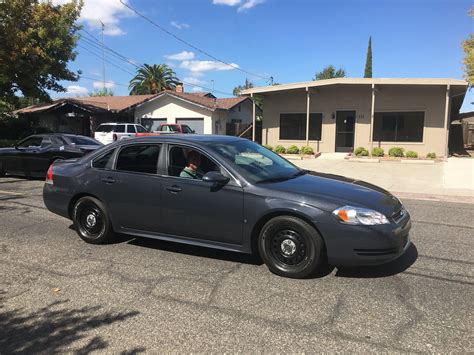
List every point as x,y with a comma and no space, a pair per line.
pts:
336,190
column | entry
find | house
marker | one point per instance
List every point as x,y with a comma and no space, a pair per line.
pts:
337,115
202,111
82,115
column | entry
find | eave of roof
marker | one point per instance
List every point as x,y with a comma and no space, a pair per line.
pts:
355,81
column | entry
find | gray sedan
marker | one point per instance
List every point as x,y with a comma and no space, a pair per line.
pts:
228,193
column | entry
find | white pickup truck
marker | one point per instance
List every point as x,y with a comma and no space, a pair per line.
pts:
110,132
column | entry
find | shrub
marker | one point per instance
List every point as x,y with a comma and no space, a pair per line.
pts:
431,155
307,150
280,149
292,149
396,152
412,154
361,152
378,152
269,147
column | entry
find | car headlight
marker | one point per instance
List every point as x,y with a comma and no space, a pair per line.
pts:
358,215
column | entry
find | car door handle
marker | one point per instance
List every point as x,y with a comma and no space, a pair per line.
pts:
108,180
174,189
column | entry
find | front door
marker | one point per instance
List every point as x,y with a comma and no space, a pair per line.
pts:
345,125
193,208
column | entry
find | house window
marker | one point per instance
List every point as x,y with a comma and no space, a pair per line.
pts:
398,126
293,126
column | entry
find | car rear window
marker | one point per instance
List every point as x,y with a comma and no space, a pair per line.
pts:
141,158
106,128
104,161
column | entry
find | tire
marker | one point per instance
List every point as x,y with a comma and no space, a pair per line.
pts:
290,247
91,221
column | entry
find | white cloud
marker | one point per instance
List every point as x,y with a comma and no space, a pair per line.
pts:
108,11
179,25
76,90
196,88
226,2
199,66
194,81
249,4
243,5
100,84
184,55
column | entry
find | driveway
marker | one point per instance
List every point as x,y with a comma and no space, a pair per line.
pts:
59,294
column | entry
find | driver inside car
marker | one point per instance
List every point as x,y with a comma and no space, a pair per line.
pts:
192,166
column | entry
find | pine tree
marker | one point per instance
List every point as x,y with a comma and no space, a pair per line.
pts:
368,61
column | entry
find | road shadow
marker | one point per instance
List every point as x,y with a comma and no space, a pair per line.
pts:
21,178
392,268
204,252
53,329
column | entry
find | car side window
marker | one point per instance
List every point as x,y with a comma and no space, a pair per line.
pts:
120,128
141,158
189,163
104,161
141,129
46,142
31,142
131,129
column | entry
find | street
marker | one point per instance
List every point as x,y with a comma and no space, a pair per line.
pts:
60,294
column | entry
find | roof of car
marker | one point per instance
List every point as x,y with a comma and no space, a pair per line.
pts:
191,138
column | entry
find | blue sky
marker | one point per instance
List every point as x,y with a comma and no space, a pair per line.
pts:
289,40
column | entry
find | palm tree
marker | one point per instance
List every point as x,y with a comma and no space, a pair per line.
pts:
152,79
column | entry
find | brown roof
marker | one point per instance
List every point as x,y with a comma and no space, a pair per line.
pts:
208,102
120,103
101,103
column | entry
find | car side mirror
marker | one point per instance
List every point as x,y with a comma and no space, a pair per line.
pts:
216,178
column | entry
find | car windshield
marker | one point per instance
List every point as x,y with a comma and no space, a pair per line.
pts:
80,140
105,128
256,163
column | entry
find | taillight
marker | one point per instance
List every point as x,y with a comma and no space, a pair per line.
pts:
114,137
49,175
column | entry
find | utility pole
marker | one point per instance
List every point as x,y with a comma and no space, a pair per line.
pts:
103,55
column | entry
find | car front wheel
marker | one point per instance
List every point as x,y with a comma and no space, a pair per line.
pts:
290,247
91,221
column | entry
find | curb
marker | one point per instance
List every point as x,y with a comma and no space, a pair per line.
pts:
417,161
434,198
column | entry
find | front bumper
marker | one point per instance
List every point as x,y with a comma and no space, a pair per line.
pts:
349,245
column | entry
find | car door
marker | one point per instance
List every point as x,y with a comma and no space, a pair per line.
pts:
193,208
132,188
25,150
36,160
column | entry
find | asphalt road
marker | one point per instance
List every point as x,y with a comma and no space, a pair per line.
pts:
59,294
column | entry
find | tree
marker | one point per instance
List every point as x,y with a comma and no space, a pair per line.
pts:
330,73
102,92
37,43
152,79
468,47
368,60
248,85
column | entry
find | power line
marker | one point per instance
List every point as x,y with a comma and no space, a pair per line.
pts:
111,63
268,79
98,80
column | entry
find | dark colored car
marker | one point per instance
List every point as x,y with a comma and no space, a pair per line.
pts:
243,198
33,155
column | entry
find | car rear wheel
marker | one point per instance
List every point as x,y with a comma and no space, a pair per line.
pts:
290,247
91,221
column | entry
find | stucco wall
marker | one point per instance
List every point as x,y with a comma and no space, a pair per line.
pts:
328,100
171,109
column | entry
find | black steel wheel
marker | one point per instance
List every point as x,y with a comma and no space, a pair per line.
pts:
290,247
91,221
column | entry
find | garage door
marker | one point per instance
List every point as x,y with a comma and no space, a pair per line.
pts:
196,124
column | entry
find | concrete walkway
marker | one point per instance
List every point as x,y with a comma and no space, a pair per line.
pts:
447,181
